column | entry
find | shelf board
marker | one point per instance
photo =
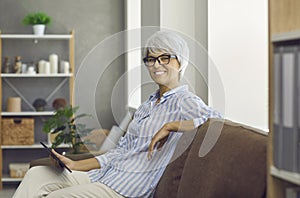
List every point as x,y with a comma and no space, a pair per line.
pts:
7,178
34,146
287,36
34,75
28,113
32,36
286,175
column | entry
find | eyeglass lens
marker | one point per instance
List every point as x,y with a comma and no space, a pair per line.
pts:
162,60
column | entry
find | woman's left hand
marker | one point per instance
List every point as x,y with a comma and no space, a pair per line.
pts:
160,137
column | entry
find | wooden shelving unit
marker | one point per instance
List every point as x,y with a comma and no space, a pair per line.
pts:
290,177
34,114
286,36
35,75
32,36
284,25
34,146
28,113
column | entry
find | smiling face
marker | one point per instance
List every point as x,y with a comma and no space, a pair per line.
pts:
166,76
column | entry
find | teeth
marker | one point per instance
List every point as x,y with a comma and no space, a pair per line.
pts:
159,73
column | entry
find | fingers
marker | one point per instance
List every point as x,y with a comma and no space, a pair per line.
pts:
155,140
160,137
162,143
59,156
62,156
55,153
151,148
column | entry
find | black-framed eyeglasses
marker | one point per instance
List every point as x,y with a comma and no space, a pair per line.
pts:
163,59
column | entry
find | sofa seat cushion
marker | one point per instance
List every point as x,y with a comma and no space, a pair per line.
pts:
234,167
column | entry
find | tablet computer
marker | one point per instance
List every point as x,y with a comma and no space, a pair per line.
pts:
55,157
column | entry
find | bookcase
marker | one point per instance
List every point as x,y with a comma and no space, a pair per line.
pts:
283,178
30,87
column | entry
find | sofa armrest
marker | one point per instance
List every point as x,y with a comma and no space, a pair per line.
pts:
47,162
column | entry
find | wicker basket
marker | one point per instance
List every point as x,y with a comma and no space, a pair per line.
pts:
17,131
18,170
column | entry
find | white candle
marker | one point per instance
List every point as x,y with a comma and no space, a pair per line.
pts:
42,66
47,68
53,58
62,65
66,67
31,70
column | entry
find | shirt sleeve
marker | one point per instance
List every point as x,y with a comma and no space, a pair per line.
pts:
107,157
193,108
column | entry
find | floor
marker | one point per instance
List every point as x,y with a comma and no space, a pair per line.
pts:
8,191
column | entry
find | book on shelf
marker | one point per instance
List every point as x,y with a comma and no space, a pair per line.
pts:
276,113
286,116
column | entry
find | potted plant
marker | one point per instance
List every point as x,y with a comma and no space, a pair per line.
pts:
38,20
64,124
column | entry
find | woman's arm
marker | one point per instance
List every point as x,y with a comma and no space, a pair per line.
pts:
194,113
81,165
162,135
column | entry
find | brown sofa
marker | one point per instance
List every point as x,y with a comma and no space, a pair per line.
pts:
235,167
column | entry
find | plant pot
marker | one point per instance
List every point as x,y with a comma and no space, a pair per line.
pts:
39,29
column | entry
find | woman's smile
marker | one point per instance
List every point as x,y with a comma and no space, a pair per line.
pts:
159,73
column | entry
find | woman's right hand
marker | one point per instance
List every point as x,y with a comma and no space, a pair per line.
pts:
80,165
68,162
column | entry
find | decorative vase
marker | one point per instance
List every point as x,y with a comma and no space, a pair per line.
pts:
39,104
39,29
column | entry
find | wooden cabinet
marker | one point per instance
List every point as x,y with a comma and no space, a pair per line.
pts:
30,87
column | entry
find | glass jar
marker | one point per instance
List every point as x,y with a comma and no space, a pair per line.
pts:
18,65
6,65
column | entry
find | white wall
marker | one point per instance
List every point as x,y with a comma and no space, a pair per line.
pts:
189,17
179,15
238,45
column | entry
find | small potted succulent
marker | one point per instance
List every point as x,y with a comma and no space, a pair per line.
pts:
38,20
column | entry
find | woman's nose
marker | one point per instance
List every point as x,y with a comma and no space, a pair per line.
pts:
156,64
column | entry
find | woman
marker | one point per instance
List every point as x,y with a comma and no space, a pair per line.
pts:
135,166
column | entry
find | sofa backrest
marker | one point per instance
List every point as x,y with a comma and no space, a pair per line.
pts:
234,167
169,183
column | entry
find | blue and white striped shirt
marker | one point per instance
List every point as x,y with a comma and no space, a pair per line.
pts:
126,168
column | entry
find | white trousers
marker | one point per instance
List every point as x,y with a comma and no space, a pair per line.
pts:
44,181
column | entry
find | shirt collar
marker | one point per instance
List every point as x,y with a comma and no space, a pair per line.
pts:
155,95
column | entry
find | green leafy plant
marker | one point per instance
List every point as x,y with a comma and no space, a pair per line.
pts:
64,123
37,18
